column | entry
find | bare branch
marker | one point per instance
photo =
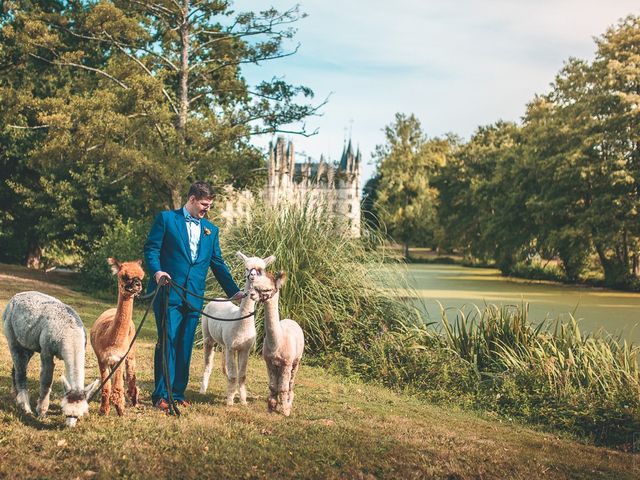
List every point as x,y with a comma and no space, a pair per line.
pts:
157,8
291,132
28,128
128,174
83,67
240,62
111,40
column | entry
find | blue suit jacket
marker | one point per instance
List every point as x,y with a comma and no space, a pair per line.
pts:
167,249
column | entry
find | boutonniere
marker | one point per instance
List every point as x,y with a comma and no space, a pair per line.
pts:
207,231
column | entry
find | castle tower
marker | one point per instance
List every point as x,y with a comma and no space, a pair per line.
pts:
338,184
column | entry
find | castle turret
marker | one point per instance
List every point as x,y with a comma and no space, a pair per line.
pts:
335,184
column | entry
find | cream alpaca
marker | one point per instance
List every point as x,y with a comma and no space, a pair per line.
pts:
111,335
237,338
283,344
35,322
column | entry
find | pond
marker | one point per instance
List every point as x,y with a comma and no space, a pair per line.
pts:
460,287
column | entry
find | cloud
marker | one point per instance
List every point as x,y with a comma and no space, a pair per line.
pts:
456,65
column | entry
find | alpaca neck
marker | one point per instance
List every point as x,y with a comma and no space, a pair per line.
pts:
272,328
124,312
247,306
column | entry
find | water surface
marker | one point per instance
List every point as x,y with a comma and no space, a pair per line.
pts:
459,287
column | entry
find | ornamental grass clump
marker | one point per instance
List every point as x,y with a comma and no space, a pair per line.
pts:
333,288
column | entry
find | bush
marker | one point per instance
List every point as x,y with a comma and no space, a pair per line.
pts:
125,241
537,271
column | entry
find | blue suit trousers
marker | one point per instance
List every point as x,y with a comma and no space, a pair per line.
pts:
181,329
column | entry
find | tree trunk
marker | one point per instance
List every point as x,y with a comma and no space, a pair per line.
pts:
34,256
176,198
405,251
184,68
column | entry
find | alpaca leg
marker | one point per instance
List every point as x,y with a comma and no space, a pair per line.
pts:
232,375
283,390
117,395
209,353
224,362
21,359
292,381
46,379
132,389
105,406
243,359
272,402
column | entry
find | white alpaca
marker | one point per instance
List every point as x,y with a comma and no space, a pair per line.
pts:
283,344
35,322
237,338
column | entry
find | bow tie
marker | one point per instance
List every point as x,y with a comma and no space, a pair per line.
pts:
190,218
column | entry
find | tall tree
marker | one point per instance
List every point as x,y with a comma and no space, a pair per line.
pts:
406,202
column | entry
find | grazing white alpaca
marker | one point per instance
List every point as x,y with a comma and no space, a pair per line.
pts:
35,322
237,338
283,344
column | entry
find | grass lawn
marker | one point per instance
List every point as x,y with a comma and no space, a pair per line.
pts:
338,429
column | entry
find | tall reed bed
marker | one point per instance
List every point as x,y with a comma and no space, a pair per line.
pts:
552,373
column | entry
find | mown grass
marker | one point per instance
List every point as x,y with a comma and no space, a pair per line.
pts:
340,428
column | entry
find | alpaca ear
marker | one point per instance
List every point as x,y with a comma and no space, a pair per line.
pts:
280,279
115,265
91,389
269,260
139,262
241,256
65,384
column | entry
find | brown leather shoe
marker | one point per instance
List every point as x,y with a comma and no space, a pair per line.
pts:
162,405
183,403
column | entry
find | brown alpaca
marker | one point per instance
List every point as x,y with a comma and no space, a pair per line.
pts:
111,335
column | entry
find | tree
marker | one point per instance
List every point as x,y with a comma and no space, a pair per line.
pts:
483,191
406,202
142,96
584,136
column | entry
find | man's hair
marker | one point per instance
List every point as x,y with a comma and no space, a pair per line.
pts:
201,190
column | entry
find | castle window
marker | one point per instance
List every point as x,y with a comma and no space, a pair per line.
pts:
350,207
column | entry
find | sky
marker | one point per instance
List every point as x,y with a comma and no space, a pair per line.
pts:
455,65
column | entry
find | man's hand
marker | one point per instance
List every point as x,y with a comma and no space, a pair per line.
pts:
237,297
159,278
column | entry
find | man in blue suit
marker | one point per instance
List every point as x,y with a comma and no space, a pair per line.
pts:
182,245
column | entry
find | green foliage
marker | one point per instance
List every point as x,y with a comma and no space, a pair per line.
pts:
404,199
124,241
491,357
538,271
563,184
588,384
98,109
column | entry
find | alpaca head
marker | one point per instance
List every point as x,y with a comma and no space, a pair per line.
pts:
268,285
254,267
75,401
130,275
